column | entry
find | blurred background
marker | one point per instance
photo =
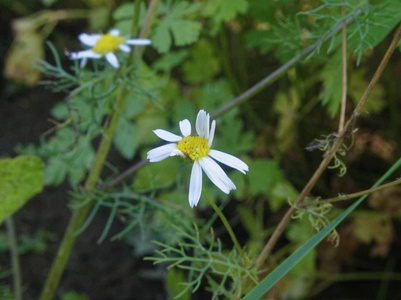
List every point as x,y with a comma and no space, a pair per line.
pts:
218,51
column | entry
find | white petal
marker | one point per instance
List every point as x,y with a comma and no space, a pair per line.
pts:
84,54
124,48
89,40
185,127
138,42
202,124
216,174
167,135
83,62
229,160
211,136
114,32
160,153
177,152
195,185
112,59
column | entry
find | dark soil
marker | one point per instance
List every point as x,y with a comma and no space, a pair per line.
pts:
106,271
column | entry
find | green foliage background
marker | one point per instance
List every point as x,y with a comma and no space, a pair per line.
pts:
203,55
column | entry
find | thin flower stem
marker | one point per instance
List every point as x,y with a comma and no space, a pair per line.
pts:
344,74
135,18
80,214
126,173
13,246
352,196
225,223
323,165
147,23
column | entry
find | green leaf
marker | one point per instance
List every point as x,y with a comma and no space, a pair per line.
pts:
20,179
174,283
265,177
379,23
239,180
161,39
124,11
287,106
300,230
213,94
170,60
55,171
67,157
79,160
332,81
131,134
287,37
184,110
72,295
37,242
157,175
203,65
278,273
281,192
99,18
81,111
123,14
63,139
176,23
146,124
236,142
357,85
263,10
126,138
223,10
135,105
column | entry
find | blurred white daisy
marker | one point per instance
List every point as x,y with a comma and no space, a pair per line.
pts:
106,45
197,149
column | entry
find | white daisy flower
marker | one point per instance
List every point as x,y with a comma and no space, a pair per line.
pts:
197,149
106,45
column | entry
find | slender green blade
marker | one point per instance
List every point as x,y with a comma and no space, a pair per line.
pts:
269,281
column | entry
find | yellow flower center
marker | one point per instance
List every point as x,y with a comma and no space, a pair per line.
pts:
194,147
108,43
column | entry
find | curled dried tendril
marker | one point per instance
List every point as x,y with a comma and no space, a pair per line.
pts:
325,145
317,217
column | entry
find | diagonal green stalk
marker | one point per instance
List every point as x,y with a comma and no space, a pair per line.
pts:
80,214
12,240
225,223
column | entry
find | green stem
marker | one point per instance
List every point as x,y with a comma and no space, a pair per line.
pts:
80,214
226,224
12,240
135,18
